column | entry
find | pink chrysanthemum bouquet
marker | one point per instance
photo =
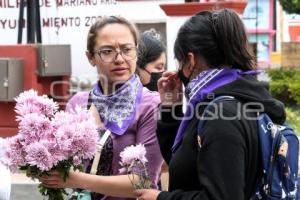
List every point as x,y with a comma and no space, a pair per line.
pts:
49,139
133,161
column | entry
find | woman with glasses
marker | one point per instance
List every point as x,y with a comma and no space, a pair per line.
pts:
212,150
122,106
152,59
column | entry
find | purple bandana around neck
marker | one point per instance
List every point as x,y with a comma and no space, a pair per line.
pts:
117,111
204,84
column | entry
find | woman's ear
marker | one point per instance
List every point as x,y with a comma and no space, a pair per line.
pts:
191,61
196,62
91,58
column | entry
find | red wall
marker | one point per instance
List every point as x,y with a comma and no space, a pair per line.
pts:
28,53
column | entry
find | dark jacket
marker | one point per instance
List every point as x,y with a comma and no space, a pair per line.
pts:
225,164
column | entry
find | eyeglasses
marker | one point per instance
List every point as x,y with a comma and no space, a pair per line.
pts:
109,55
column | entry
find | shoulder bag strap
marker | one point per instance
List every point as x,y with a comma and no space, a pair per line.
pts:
100,146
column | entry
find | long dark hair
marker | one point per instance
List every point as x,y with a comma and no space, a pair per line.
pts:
217,36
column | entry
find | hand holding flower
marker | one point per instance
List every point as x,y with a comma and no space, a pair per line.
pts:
147,194
50,140
54,180
133,161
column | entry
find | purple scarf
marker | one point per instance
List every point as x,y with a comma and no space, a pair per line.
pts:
204,84
117,111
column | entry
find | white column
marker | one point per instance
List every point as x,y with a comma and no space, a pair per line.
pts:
173,25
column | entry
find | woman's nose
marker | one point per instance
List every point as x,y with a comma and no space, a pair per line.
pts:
119,57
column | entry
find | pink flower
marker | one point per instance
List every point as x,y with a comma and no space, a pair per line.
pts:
38,155
49,139
87,129
27,97
81,114
77,132
14,155
60,135
62,118
56,152
77,160
82,147
64,136
34,127
25,109
133,161
133,153
46,106
29,102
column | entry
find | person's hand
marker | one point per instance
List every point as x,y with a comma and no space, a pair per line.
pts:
54,180
147,194
170,88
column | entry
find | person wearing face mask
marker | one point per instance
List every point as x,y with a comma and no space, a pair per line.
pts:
151,59
212,154
151,64
122,106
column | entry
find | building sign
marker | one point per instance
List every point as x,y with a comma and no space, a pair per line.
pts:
68,22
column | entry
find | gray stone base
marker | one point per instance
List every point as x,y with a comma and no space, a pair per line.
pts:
26,192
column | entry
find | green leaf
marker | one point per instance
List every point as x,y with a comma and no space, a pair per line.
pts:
293,118
52,193
78,167
291,6
285,85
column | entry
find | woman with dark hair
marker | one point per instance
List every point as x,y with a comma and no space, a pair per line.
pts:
213,154
151,60
121,106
